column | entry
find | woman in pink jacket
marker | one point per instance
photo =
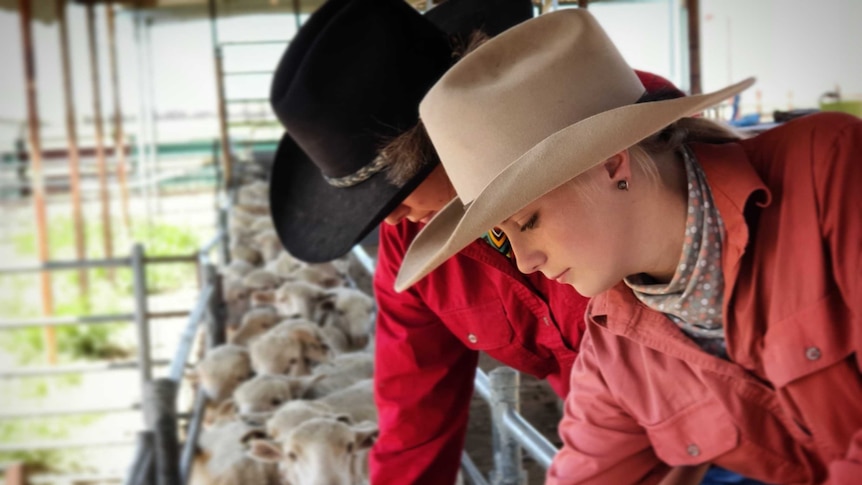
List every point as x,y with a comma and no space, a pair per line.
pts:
726,274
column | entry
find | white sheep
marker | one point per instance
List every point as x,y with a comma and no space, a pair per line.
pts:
298,298
325,275
284,264
240,249
261,279
254,324
292,347
269,245
342,372
294,413
348,309
222,370
356,401
226,460
320,451
257,399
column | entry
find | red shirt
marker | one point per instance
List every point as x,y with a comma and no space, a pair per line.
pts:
426,345
787,407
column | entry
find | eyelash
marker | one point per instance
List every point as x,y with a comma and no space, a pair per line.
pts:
531,222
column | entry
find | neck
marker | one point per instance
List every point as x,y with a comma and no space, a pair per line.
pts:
662,219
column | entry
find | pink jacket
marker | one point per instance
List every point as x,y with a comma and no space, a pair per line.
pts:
788,408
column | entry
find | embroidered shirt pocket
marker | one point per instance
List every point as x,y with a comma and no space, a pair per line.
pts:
481,327
697,434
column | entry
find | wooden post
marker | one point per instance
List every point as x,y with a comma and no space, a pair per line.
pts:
226,159
78,224
583,3
693,8
107,237
16,474
119,135
37,178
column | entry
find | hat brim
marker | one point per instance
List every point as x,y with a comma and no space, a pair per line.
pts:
555,160
317,222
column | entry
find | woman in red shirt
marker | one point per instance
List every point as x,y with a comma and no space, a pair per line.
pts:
726,324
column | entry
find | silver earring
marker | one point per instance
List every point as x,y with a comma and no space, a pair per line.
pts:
623,185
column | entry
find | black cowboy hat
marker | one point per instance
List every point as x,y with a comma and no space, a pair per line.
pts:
351,80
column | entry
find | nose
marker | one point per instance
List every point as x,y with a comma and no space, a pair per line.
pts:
528,259
397,214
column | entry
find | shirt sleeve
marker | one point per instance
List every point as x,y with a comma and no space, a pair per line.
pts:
838,176
601,443
423,383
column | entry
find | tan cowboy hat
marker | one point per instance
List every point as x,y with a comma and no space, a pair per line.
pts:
527,111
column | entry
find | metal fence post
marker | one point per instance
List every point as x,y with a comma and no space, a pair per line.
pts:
139,282
225,235
160,411
216,332
507,453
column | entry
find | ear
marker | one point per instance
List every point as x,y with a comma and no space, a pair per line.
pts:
264,451
618,166
299,386
254,434
366,434
226,409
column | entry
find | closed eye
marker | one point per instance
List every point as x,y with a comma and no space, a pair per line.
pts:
531,222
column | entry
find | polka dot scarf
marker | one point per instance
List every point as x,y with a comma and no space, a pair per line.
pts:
693,298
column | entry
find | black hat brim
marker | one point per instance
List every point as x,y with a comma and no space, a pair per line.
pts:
317,222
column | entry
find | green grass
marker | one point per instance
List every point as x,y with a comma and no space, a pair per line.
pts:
43,429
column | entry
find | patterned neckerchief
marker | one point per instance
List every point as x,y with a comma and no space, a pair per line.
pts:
497,239
693,298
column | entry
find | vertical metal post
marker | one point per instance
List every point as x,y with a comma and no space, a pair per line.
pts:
693,7
224,135
141,136
141,470
225,235
139,282
153,113
160,411
119,136
505,382
216,331
107,234
37,177
78,225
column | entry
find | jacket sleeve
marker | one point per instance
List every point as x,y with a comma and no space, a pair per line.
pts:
423,383
838,176
601,443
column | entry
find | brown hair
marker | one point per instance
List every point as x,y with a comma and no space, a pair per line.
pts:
406,154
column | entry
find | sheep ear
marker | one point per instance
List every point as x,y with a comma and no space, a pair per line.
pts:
226,409
253,434
299,386
343,418
264,451
366,434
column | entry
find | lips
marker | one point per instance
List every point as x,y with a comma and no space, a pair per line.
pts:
559,276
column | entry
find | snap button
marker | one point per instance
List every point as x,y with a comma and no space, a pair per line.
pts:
812,353
693,450
472,338
545,319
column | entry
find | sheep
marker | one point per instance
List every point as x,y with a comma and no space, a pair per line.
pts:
261,279
325,275
227,462
284,264
320,451
299,298
343,371
292,347
292,414
236,270
241,250
255,194
222,369
269,245
254,323
257,399
356,400
349,310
